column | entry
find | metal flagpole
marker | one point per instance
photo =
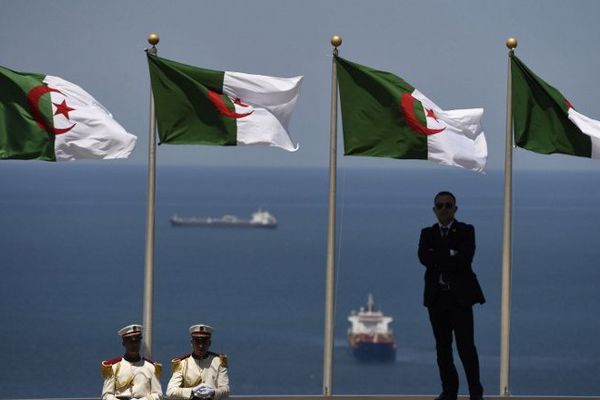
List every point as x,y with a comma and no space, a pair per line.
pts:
153,39
336,41
511,43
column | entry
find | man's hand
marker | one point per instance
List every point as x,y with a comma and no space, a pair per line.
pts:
196,390
206,390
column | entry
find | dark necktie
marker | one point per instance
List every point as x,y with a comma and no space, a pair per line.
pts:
444,231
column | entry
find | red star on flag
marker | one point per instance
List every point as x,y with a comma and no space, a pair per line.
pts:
238,101
431,114
63,109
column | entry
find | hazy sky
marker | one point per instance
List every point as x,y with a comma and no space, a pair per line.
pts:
453,51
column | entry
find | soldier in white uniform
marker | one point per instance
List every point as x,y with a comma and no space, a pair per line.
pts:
201,374
131,377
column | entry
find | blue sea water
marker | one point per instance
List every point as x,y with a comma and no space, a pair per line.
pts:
72,248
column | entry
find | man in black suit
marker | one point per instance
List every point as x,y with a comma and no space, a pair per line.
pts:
446,250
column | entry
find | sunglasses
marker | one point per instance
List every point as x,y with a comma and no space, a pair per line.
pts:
448,205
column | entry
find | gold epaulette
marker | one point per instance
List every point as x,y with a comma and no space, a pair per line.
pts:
157,366
106,371
176,362
106,367
157,369
175,365
223,358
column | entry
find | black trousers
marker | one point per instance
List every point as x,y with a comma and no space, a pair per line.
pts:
448,317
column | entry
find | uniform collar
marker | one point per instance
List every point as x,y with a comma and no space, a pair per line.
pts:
200,358
132,359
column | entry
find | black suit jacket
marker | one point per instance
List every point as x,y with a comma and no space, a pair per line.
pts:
435,255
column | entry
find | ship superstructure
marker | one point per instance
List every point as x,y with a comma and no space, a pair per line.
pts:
259,219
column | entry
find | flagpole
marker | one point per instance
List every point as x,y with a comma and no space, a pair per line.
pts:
153,39
511,43
336,41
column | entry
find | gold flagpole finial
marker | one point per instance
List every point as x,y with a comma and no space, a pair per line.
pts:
336,41
511,43
153,39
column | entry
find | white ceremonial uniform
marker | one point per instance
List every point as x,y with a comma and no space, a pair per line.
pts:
139,380
189,372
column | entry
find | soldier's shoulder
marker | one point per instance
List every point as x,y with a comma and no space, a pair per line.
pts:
106,366
157,366
221,356
176,362
112,361
152,361
181,358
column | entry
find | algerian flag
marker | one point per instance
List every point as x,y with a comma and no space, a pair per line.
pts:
545,122
383,116
48,118
202,106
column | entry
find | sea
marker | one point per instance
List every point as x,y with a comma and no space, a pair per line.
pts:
72,238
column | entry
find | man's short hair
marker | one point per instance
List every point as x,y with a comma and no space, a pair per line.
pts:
445,193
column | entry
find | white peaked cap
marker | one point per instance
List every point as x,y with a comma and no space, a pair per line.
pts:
131,330
201,330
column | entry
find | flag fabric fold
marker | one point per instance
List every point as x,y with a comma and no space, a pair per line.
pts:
202,106
545,121
48,118
384,116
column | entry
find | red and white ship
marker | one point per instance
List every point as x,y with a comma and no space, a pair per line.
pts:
370,336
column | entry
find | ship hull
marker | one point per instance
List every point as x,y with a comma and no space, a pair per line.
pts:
370,351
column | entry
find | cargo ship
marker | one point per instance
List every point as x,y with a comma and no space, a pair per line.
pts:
370,337
259,219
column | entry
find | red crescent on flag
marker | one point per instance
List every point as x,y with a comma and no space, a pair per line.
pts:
407,105
222,107
33,97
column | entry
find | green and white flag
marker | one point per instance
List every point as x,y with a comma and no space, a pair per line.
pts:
47,118
545,122
202,106
383,116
